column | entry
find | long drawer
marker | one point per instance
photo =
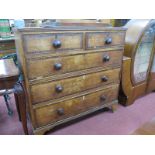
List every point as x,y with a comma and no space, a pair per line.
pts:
56,89
51,66
59,111
95,40
52,42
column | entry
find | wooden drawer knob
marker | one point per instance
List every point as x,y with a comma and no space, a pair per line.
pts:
57,66
56,43
59,88
106,58
102,98
60,111
108,41
104,78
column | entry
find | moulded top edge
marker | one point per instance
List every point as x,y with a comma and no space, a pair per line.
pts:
73,28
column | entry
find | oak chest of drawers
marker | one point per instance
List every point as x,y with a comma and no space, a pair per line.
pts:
69,72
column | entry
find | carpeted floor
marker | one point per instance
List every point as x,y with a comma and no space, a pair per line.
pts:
124,121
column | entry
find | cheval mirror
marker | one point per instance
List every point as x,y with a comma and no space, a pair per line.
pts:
151,78
137,61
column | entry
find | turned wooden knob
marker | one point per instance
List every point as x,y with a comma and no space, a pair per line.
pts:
104,78
59,88
60,111
57,66
56,43
108,41
106,58
102,98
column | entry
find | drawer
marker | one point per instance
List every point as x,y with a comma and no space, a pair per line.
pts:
53,66
56,89
7,45
95,40
59,111
34,43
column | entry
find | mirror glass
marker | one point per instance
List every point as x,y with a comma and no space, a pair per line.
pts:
143,55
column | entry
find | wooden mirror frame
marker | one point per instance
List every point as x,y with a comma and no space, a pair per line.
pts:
130,90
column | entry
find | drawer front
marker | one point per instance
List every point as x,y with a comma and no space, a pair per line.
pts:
53,66
68,108
60,88
52,42
7,45
95,40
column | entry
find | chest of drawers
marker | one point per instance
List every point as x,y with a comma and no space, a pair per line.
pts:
69,72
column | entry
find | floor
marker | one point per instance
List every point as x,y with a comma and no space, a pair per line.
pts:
124,121
146,129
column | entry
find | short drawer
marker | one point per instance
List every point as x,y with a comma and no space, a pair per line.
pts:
59,111
52,66
53,42
56,89
95,40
